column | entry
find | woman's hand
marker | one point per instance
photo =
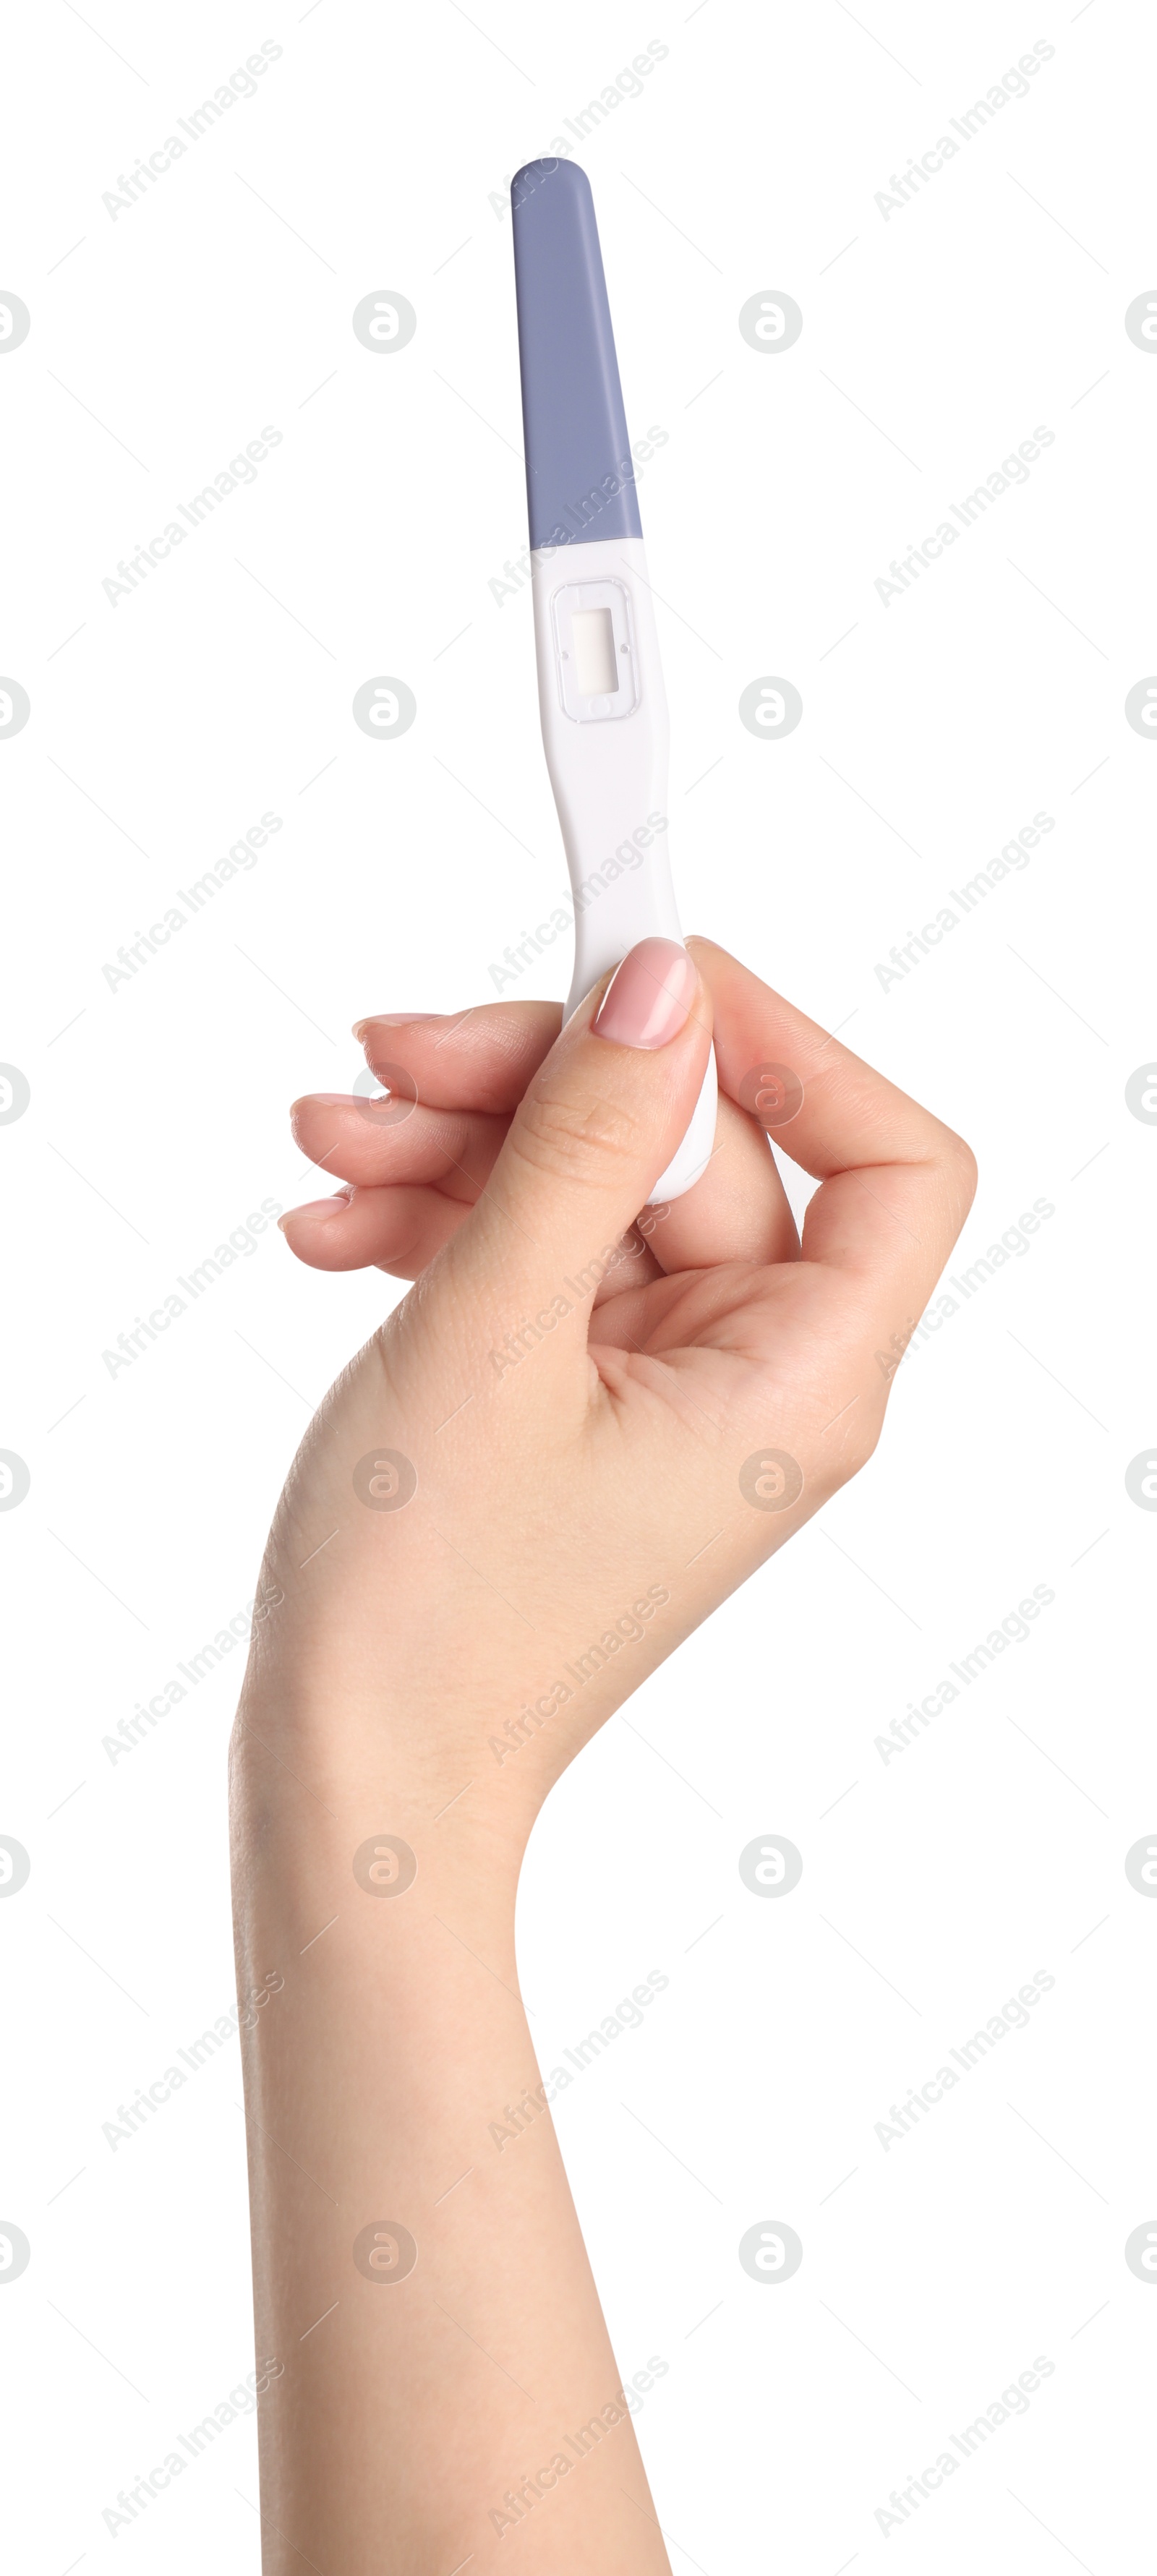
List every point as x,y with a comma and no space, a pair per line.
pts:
584,1404
579,1432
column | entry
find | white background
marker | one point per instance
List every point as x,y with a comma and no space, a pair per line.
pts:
935,1884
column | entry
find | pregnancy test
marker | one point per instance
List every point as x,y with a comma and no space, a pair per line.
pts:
600,682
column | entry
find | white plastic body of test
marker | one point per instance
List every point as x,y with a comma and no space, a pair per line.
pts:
609,773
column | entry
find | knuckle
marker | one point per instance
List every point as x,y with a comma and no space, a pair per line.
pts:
575,1139
962,1169
863,1443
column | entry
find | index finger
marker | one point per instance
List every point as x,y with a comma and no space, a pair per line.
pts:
482,1058
897,1182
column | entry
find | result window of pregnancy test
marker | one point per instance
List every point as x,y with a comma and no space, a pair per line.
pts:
593,642
596,664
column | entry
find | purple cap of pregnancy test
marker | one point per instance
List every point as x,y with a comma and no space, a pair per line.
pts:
580,474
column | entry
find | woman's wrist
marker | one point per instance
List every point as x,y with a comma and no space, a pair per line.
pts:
462,1717
388,2064
323,1772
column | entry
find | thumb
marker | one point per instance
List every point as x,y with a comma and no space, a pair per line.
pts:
600,1121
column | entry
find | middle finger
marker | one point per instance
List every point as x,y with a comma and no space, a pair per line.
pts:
384,1143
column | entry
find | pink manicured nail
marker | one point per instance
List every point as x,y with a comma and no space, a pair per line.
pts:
649,996
394,1020
314,1207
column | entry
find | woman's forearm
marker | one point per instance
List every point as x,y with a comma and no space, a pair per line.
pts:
446,2374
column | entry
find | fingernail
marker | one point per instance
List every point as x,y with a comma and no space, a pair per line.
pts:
649,996
314,1207
394,1020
